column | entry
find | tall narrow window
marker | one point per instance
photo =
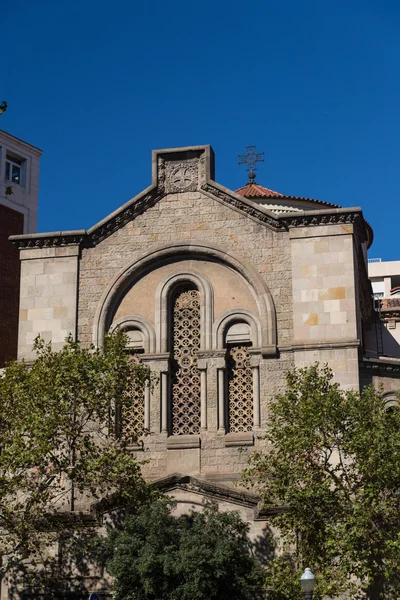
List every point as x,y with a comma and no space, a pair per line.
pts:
132,415
185,380
240,389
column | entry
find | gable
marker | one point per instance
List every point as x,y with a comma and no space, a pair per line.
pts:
180,171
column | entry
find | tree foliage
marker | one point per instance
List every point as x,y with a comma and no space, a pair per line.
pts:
333,464
204,556
59,449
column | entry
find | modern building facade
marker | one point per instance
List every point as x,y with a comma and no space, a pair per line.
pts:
19,187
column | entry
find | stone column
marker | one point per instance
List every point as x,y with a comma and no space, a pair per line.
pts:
255,367
202,366
156,401
147,404
256,398
164,402
220,364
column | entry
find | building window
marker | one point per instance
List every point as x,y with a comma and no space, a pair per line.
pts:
392,403
132,416
240,389
185,380
14,169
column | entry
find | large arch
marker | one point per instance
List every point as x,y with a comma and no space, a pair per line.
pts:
192,249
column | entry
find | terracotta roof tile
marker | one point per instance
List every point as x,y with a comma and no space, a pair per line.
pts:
253,190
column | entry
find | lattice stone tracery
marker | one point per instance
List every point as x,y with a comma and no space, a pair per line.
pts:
132,418
185,418
240,389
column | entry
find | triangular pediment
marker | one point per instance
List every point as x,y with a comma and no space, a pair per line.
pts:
180,170
215,491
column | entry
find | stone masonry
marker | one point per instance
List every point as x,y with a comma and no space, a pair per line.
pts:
292,287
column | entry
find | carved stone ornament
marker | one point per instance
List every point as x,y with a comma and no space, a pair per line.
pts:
185,373
49,241
181,177
161,174
240,390
239,204
348,218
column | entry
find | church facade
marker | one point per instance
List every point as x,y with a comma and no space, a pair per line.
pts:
220,294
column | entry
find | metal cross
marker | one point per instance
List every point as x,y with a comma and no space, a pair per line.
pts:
251,158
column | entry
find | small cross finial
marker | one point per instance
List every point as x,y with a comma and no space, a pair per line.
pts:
251,158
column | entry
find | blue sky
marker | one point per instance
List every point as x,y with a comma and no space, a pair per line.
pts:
314,84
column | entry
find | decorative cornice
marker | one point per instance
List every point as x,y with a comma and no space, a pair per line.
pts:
336,217
122,217
189,169
380,366
141,203
344,344
249,208
48,240
218,493
333,216
96,234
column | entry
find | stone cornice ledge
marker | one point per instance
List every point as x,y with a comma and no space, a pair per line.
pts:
331,216
151,195
48,240
218,492
241,204
390,367
320,346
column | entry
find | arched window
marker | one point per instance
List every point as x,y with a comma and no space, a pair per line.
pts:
184,315
392,402
132,417
239,379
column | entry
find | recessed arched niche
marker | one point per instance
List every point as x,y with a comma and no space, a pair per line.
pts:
230,290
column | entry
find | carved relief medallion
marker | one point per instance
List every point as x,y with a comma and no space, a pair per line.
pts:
181,177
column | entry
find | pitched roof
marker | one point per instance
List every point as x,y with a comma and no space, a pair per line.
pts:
253,190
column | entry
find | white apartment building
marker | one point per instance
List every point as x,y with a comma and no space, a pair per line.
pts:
385,280
19,178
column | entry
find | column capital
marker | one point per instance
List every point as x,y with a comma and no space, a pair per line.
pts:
255,361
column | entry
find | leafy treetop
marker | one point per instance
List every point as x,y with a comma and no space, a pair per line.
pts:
202,556
333,464
60,451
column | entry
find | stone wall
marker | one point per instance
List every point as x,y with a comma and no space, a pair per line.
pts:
194,218
48,300
325,311
187,217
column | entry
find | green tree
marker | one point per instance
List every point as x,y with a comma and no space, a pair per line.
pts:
204,556
333,465
60,452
